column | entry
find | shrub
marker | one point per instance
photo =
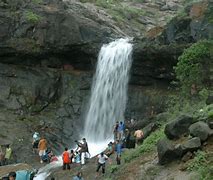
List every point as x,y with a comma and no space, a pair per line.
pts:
32,17
193,64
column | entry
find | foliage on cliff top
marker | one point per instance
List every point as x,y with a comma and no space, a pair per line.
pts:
193,65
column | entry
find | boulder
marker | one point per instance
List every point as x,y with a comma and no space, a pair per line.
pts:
200,129
210,123
178,127
148,129
167,152
190,145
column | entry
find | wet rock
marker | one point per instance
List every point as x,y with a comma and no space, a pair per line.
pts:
167,152
178,127
200,129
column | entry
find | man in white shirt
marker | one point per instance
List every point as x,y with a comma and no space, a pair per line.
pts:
101,162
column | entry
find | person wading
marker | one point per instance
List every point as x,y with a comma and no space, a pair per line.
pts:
66,159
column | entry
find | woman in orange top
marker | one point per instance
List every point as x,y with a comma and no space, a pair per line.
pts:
66,159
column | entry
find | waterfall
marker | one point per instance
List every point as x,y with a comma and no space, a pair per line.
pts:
108,98
109,91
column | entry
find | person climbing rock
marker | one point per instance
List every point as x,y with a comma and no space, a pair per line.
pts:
8,154
42,147
84,150
118,149
115,131
12,176
101,162
66,159
78,176
35,142
138,136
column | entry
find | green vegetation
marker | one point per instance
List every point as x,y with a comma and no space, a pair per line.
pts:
37,1
113,168
192,67
120,11
202,164
148,145
32,17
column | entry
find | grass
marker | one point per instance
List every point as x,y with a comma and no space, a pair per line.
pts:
203,165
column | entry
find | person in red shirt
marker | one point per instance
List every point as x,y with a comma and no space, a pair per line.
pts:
66,159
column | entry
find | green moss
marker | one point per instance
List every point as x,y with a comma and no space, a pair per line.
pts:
32,17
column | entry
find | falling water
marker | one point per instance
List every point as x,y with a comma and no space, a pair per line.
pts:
109,91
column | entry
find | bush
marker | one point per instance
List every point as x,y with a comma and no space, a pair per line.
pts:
32,17
193,66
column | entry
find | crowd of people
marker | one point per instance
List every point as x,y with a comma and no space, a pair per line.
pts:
80,155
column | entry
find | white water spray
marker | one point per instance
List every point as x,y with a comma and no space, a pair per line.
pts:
109,92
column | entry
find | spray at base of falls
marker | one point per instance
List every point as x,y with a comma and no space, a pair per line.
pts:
109,92
108,99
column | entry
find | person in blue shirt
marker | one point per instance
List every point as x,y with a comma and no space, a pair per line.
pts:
118,149
78,176
121,128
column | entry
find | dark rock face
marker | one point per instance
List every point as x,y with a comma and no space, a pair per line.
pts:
166,151
178,127
200,129
44,100
63,31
